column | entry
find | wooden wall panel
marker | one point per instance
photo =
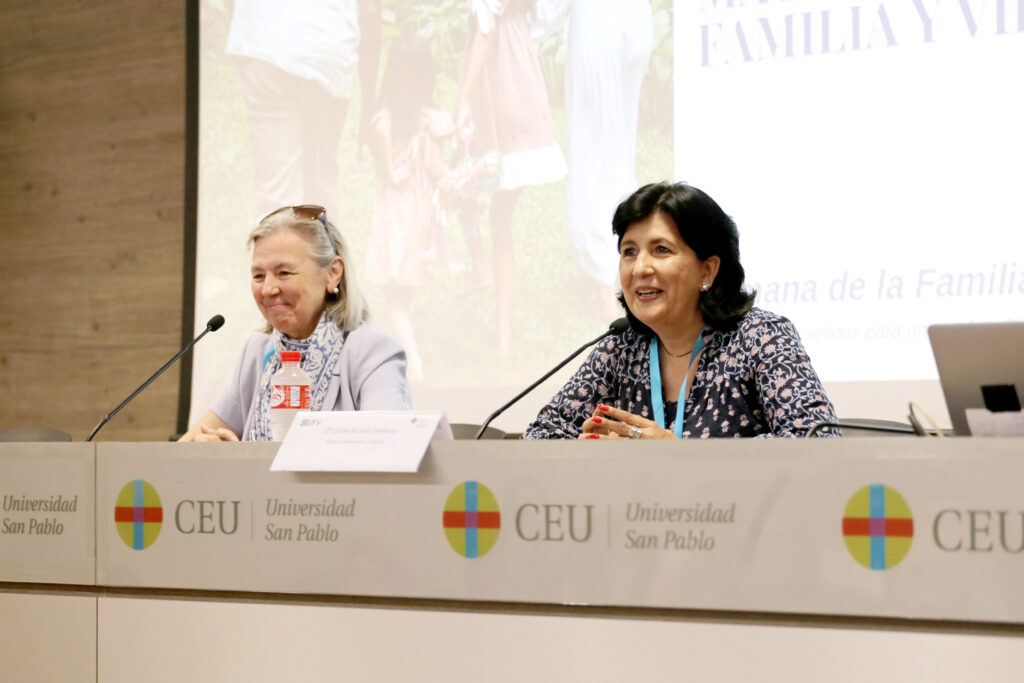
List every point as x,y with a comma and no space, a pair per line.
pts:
92,153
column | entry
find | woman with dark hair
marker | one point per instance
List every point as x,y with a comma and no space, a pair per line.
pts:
698,359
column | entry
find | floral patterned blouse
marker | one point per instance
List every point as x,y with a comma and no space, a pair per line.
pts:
754,380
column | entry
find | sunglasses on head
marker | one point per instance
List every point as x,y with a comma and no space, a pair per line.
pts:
311,212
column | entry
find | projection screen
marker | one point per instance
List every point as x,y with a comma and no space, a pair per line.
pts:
870,153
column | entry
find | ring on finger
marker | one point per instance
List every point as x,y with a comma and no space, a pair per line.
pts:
635,432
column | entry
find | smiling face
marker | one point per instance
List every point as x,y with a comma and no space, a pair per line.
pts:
288,286
661,276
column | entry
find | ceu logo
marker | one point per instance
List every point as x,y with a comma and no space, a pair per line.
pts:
471,519
138,514
878,527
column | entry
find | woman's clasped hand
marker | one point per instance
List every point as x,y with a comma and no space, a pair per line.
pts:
611,423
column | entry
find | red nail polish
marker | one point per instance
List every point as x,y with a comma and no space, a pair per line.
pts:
603,407
598,420
592,436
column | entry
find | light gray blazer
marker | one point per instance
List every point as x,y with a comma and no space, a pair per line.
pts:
370,375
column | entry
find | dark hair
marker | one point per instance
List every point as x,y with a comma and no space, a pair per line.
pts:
408,82
708,231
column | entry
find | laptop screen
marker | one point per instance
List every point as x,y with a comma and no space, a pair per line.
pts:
970,356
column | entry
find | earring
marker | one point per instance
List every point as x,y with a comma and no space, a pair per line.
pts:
335,290
705,286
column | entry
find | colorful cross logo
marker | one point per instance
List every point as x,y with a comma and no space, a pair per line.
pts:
472,519
138,514
878,527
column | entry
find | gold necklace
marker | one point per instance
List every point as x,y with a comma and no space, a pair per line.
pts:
682,355
662,346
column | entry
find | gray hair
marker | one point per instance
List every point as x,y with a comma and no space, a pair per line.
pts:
347,308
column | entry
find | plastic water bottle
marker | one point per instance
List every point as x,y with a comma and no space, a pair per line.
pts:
289,393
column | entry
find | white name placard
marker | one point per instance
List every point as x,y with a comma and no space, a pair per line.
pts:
360,441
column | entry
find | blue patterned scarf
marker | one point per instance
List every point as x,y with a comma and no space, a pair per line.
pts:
320,353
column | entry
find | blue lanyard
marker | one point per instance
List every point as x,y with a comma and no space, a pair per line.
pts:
657,400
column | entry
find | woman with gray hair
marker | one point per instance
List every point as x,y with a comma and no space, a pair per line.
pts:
312,304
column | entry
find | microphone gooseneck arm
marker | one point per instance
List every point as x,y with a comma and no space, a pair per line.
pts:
213,325
616,327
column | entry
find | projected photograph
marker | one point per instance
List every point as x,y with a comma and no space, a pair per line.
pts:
471,151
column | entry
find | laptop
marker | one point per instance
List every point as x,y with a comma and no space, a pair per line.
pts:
970,356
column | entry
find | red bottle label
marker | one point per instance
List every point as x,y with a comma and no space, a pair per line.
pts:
290,396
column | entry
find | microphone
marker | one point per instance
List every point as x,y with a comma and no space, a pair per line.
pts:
617,327
214,324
